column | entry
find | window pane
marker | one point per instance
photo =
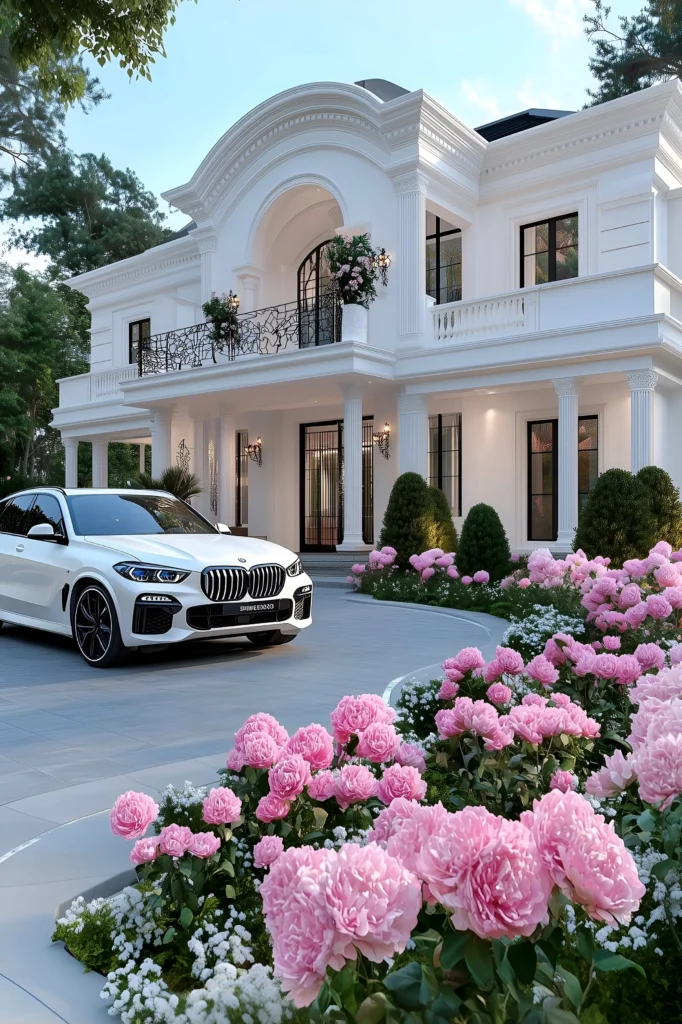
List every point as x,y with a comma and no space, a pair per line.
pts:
431,282
567,263
14,514
542,517
566,231
541,469
451,283
46,510
536,269
430,223
536,238
588,456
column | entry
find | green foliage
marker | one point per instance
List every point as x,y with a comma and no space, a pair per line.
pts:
91,943
483,543
222,311
617,520
642,50
406,519
176,480
344,256
665,502
441,529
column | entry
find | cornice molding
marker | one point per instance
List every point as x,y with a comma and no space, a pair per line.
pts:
124,278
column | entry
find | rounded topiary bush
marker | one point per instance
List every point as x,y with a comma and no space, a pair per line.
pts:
407,517
617,519
666,506
483,543
441,529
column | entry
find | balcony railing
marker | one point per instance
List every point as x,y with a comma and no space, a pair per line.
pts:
290,325
498,315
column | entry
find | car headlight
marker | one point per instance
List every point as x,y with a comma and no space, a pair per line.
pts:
141,573
296,568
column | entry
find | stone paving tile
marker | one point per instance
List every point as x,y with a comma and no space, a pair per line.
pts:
25,784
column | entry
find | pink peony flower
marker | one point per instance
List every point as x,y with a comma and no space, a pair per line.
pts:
565,781
449,666
289,777
514,557
358,568
525,720
272,808
132,814
412,756
466,580
467,660
542,670
260,723
662,548
629,669
612,643
506,583
428,573
650,656
606,666
676,654
379,743
145,850
354,784
525,582
636,615
667,576
498,693
492,671
445,561
259,750
391,819
658,607
222,807
659,769
481,576
452,572
510,660
629,596
175,840
448,690
266,851
204,844
674,597
322,786
616,775
235,761
313,743
664,685
401,781
353,715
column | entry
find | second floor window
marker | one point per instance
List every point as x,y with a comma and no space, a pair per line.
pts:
138,332
443,260
549,250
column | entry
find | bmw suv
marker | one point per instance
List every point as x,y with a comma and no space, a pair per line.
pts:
122,569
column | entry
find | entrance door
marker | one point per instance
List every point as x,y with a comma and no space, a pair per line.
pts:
321,477
319,314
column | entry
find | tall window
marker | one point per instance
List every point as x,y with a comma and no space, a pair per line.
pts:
549,250
445,457
542,476
241,510
588,456
318,311
443,260
138,332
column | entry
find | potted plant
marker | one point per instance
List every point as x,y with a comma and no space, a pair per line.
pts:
221,312
355,268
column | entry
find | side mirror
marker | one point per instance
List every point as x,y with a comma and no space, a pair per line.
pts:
42,531
222,528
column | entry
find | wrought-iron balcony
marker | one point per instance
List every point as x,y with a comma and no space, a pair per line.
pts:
291,325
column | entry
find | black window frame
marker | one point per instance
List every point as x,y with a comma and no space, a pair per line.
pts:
14,497
60,536
437,236
138,323
595,417
555,489
437,481
551,223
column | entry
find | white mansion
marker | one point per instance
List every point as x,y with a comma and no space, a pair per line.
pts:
529,337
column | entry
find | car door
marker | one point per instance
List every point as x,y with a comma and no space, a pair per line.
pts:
41,570
12,544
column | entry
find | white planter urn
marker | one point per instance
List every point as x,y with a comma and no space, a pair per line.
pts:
354,323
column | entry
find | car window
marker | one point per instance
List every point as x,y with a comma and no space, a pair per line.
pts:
46,509
101,515
14,514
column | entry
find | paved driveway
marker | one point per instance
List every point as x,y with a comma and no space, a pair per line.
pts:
63,723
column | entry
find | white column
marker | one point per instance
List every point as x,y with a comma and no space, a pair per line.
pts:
200,462
71,461
160,424
352,471
411,189
568,393
143,458
642,385
207,245
226,468
100,463
413,434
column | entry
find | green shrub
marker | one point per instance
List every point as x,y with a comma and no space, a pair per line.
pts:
14,483
483,544
665,502
406,520
442,532
176,480
617,519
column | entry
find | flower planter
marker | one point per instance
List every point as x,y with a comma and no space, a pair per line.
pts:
354,323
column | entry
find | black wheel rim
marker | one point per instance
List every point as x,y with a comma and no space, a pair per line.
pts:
93,625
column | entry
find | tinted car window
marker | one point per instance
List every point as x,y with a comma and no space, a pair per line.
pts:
99,515
14,514
46,509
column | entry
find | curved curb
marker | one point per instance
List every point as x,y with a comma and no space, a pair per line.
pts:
491,623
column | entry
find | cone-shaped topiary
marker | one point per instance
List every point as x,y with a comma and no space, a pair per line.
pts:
407,516
665,504
483,543
616,520
442,532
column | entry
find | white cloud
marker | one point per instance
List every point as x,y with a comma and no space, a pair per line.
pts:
475,94
557,17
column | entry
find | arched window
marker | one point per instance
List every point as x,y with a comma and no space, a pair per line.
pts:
318,308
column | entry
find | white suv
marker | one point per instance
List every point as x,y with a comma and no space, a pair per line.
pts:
121,569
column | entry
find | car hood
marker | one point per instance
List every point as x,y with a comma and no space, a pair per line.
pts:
195,551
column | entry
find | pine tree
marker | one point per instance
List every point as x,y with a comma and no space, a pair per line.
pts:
483,543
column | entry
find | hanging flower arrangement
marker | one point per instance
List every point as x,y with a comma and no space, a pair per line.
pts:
355,268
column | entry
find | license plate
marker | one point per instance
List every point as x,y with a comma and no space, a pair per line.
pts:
252,607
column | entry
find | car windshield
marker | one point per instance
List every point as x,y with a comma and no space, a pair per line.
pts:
99,515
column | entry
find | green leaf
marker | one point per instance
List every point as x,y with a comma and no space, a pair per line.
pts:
605,961
646,821
405,985
186,867
661,869
177,891
324,998
372,1009
523,958
230,893
228,867
444,1007
478,958
169,935
429,986
452,952
593,1015
186,917
585,943
572,986
555,1015
320,816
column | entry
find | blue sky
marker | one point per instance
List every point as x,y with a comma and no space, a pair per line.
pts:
481,59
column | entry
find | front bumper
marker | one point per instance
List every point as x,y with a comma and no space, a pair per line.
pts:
146,619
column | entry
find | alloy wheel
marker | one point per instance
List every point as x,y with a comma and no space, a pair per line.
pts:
93,625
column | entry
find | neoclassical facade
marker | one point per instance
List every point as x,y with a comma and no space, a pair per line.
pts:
529,337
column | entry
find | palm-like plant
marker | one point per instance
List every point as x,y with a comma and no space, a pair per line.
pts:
175,479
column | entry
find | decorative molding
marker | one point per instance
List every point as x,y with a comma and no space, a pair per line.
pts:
335,215
642,380
567,387
127,277
415,181
413,403
206,243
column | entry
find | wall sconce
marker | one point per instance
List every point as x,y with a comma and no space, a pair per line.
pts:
383,262
255,451
382,439
232,300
